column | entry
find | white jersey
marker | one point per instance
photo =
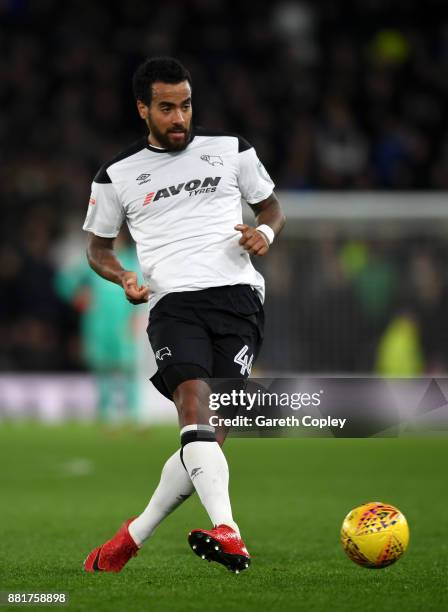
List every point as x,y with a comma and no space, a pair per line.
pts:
181,209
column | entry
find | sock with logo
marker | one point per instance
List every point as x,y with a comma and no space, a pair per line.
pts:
207,467
173,489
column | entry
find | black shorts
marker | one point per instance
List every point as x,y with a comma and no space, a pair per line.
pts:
217,331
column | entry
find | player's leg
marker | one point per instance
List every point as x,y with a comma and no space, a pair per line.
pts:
236,342
237,320
191,397
201,454
191,342
173,489
188,357
184,342
177,344
207,467
177,481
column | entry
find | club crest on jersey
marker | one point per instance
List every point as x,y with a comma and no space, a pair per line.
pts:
193,187
163,352
213,160
143,178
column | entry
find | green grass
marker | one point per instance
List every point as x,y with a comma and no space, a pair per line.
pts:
66,489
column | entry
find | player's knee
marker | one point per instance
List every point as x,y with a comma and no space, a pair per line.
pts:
191,399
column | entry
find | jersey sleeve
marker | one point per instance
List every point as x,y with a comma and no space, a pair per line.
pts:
253,180
105,214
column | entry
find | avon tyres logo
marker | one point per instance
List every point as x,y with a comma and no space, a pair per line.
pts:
193,187
213,160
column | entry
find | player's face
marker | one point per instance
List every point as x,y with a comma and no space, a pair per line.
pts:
169,115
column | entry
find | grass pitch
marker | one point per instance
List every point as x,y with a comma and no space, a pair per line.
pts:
66,489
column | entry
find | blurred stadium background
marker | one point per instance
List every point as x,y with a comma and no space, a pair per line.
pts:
345,104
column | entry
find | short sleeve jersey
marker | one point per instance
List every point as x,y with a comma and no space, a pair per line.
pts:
181,209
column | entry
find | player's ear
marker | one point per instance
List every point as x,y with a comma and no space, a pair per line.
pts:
143,109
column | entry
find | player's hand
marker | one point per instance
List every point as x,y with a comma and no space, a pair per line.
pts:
134,293
252,240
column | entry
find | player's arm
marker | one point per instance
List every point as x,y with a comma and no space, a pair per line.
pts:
270,221
102,258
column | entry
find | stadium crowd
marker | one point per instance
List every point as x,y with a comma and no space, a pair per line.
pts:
333,96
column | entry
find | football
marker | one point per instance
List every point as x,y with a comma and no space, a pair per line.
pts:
374,535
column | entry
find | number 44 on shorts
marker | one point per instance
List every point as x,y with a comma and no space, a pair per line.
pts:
243,359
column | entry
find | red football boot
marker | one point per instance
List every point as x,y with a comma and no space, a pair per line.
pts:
114,554
221,544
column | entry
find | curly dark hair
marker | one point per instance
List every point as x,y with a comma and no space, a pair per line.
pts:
164,69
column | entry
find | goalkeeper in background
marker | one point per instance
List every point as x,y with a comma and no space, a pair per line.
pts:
107,332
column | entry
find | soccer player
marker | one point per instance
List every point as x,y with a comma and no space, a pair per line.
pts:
179,189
